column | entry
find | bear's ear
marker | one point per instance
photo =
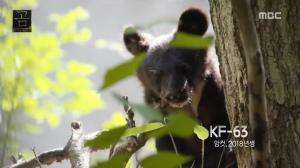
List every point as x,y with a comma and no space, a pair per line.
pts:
135,42
193,21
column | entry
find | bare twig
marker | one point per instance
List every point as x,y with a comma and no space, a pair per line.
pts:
37,159
111,151
132,143
130,114
173,141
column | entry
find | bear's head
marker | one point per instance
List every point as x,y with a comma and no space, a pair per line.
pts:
169,75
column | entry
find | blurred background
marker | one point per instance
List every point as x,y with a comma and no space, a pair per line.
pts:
50,75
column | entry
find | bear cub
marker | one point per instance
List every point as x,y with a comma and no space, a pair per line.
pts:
184,79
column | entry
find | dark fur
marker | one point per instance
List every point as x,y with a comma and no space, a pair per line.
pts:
171,76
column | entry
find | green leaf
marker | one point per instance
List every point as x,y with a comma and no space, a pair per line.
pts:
142,129
181,125
122,71
185,40
201,132
117,161
106,138
164,160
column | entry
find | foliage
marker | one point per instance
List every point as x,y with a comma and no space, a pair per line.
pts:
128,68
122,71
106,138
185,40
115,162
117,120
160,159
201,132
34,79
149,114
111,45
179,124
143,129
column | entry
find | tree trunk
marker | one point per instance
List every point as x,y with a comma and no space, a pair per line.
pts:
280,45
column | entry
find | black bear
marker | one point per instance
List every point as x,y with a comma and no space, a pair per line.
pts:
183,79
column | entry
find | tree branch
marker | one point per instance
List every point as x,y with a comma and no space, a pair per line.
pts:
132,143
77,153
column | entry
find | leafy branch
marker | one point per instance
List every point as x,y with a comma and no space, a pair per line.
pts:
76,151
79,146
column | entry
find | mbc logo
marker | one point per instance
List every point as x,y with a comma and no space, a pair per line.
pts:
269,15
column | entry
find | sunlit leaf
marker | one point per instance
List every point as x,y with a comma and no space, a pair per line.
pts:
35,79
117,121
83,35
106,138
151,145
80,13
30,104
42,83
67,22
31,129
184,40
77,68
164,160
122,71
201,132
84,101
20,4
112,45
130,163
27,154
53,119
6,105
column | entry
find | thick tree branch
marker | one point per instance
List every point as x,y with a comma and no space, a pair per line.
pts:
256,82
